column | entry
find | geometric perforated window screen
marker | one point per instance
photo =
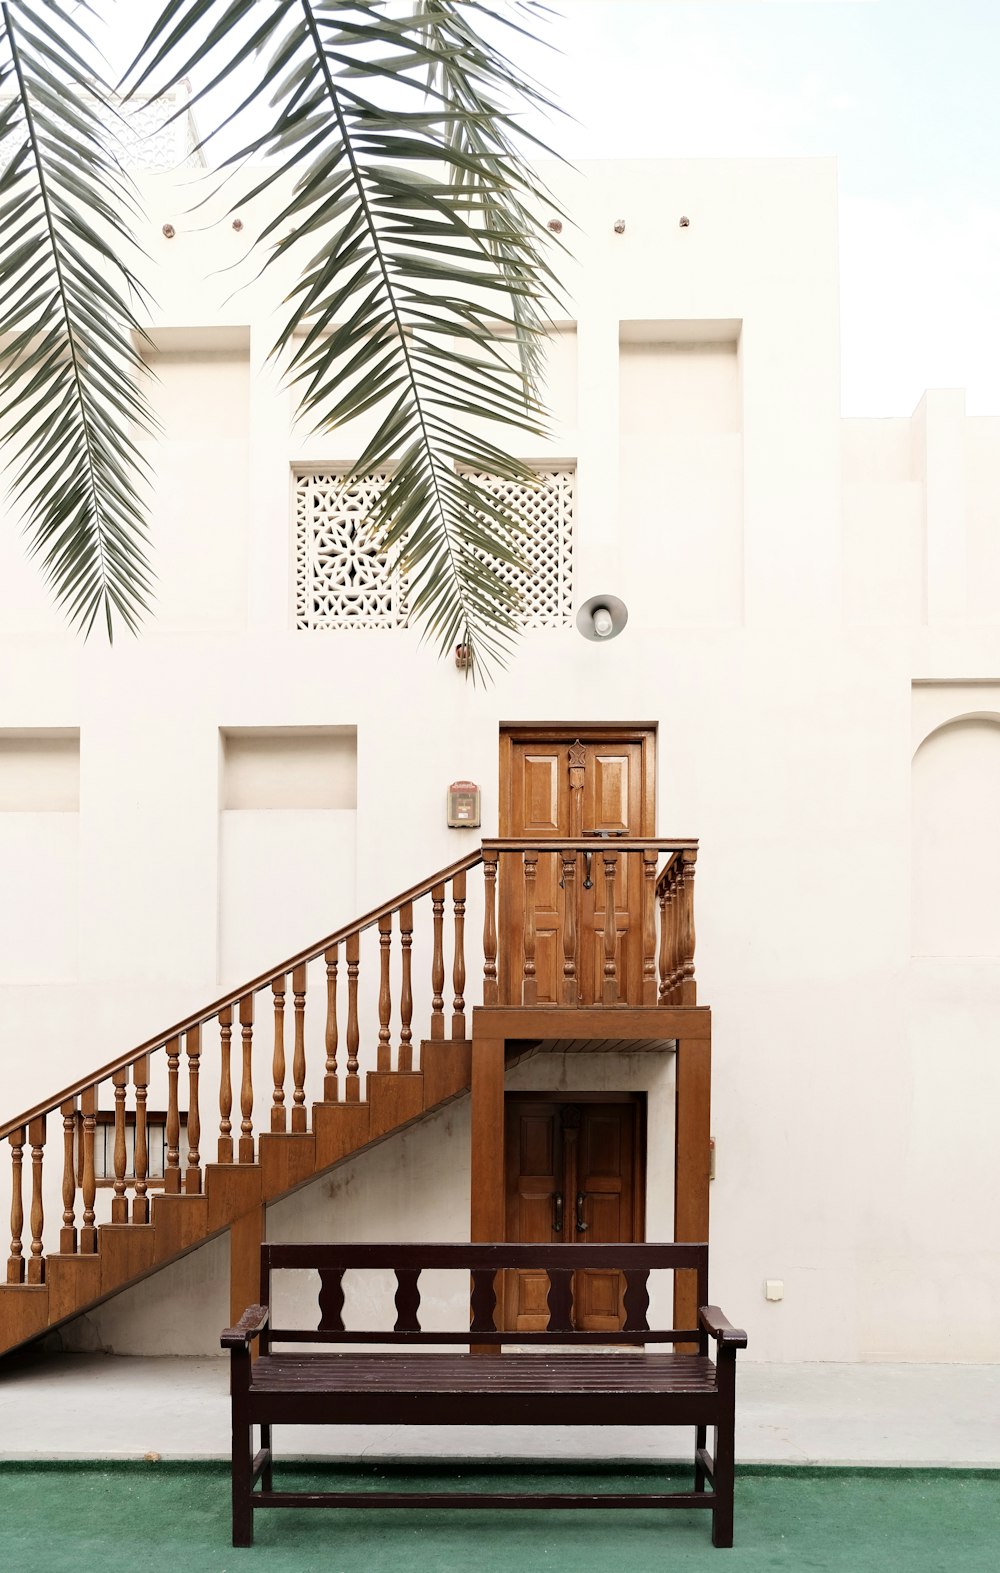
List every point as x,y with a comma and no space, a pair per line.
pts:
343,582
545,583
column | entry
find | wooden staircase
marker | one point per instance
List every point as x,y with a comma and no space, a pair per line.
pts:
124,1215
232,1197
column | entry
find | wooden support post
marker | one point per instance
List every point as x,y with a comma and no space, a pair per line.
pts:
691,1166
487,1216
245,1236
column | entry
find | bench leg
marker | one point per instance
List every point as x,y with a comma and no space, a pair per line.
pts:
724,1469
265,1442
242,1476
700,1440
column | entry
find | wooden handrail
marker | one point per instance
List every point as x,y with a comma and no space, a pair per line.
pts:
587,844
234,996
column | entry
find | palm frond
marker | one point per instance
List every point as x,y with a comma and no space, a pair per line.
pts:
70,375
397,187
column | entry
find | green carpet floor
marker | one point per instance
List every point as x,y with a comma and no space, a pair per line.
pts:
169,1518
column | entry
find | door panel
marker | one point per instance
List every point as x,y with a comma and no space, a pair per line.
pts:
564,784
587,1153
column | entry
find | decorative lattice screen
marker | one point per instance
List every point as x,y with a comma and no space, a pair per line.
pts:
546,584
342,581
146,133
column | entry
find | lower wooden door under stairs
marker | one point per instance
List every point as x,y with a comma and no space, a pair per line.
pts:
574,1174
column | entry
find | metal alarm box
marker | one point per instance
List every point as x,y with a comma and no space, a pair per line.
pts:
463,806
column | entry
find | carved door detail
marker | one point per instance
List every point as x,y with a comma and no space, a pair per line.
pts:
597,786
572,1169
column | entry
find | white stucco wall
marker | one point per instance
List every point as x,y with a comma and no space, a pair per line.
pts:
810,599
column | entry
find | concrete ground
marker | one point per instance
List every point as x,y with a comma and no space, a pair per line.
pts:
106,1406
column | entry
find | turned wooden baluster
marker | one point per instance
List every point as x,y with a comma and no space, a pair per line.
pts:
491,992
36,1262
610,989
172,1167
671,972
67,1234
299,1053
140,1162
529,982
569,989
437,965
192,1179
688,986
384,1059
664,942
225,1084
278,1116
15,1261
352,1085
330,1088
649,925
119,1206
678,933
406,987
88,1184
246,1146
458,971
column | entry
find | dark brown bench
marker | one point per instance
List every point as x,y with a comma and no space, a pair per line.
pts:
569,1380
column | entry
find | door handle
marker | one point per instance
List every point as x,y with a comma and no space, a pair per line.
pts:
581,1227
557,1211
588,883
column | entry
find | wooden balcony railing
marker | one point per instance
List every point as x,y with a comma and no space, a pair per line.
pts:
390,966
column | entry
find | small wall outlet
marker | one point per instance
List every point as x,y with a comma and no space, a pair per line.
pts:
774,1289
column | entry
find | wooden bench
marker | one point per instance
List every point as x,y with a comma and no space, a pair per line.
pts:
559,1376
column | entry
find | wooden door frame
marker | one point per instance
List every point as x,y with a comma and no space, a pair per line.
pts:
638,1100
642,732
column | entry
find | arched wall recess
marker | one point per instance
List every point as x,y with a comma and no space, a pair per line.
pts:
955,794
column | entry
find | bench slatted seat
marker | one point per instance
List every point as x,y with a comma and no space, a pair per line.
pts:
561,1378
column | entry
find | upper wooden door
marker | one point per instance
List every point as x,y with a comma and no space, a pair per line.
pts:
591,782
573,1173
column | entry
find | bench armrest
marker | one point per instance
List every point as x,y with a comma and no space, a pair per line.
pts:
714,1323
252,1322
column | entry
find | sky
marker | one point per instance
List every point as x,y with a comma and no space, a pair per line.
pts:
904,93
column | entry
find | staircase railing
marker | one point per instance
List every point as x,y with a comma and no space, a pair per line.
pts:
137,1125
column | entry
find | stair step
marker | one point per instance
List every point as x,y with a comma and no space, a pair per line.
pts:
395,1098
446,1067
24,1312
286,1159
341,1128
179,1222
232,1190
74,1281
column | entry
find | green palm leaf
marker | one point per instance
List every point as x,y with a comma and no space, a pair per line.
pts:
397,186
70,394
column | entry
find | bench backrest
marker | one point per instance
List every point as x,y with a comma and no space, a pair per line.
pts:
483,1263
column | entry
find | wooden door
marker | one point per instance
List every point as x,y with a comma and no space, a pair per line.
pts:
561,783
573,1174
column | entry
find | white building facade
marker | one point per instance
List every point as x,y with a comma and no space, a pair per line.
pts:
814,629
